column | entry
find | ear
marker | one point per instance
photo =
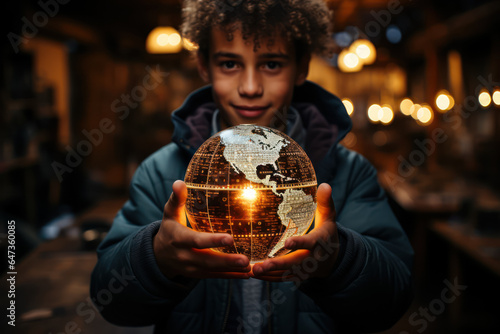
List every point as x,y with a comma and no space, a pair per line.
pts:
302,69
203,67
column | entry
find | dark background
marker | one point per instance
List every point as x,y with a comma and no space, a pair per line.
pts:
61,79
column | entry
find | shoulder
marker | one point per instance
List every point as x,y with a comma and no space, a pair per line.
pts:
169,162
343,165
159,171
349,161
352,176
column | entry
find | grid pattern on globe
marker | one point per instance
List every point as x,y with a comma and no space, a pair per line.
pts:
284,190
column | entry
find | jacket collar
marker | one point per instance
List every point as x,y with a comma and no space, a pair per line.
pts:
319,110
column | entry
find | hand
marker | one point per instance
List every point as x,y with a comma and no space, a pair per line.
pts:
314,253
181,251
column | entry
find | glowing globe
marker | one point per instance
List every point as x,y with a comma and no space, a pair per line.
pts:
254,183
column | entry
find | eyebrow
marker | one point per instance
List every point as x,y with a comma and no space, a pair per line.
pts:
264,55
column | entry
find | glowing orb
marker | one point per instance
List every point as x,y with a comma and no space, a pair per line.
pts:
254,183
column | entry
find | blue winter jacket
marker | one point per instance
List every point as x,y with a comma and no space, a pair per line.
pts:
369,289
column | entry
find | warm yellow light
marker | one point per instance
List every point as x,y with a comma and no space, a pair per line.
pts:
484,98
348,106
387,114
444,101
373,113
188,45
249,194
414,110
349,62
365,50
174,39
405,106
496,97
425,115
163,40
380,114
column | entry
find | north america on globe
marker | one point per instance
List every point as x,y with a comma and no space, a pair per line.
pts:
254,183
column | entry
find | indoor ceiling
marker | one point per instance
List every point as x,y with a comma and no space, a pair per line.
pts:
123,25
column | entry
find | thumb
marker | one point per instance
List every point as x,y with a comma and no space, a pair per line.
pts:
325,209
174,209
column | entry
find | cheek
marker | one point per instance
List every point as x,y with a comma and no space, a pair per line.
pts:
283,92
221,90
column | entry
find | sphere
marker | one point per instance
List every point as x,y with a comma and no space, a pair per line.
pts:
254,183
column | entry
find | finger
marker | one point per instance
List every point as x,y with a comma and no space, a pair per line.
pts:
212,261
206,263
174,208
184,237
324,221
325,209
284,262
309,241
278,276
201,273
224,275
275,273
290,278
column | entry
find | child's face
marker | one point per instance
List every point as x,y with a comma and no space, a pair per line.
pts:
252,86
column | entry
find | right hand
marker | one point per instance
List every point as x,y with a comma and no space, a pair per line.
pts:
181,251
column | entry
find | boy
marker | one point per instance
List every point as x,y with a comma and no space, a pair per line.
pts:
351,272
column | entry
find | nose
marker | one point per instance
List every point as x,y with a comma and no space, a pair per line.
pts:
250,83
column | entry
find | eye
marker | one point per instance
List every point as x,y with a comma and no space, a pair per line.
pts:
273,65
229,64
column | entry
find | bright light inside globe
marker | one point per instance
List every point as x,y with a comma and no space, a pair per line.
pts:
254,183
249,194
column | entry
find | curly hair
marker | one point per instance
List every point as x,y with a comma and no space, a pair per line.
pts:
305,23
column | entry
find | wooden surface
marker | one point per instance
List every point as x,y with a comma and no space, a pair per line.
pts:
57,276
427,197
436,193
483,249
105,210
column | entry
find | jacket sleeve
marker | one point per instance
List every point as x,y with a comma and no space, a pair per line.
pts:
372,278
127,286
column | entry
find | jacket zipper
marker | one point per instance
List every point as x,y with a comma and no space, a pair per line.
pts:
228,306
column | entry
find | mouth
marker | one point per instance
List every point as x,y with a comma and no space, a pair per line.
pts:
250,111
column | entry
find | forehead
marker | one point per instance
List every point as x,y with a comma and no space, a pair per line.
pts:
221,41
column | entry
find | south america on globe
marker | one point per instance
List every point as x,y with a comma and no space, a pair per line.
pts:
254,183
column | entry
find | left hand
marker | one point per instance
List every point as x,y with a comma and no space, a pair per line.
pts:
314,253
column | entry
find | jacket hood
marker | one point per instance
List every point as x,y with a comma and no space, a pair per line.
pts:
319,110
